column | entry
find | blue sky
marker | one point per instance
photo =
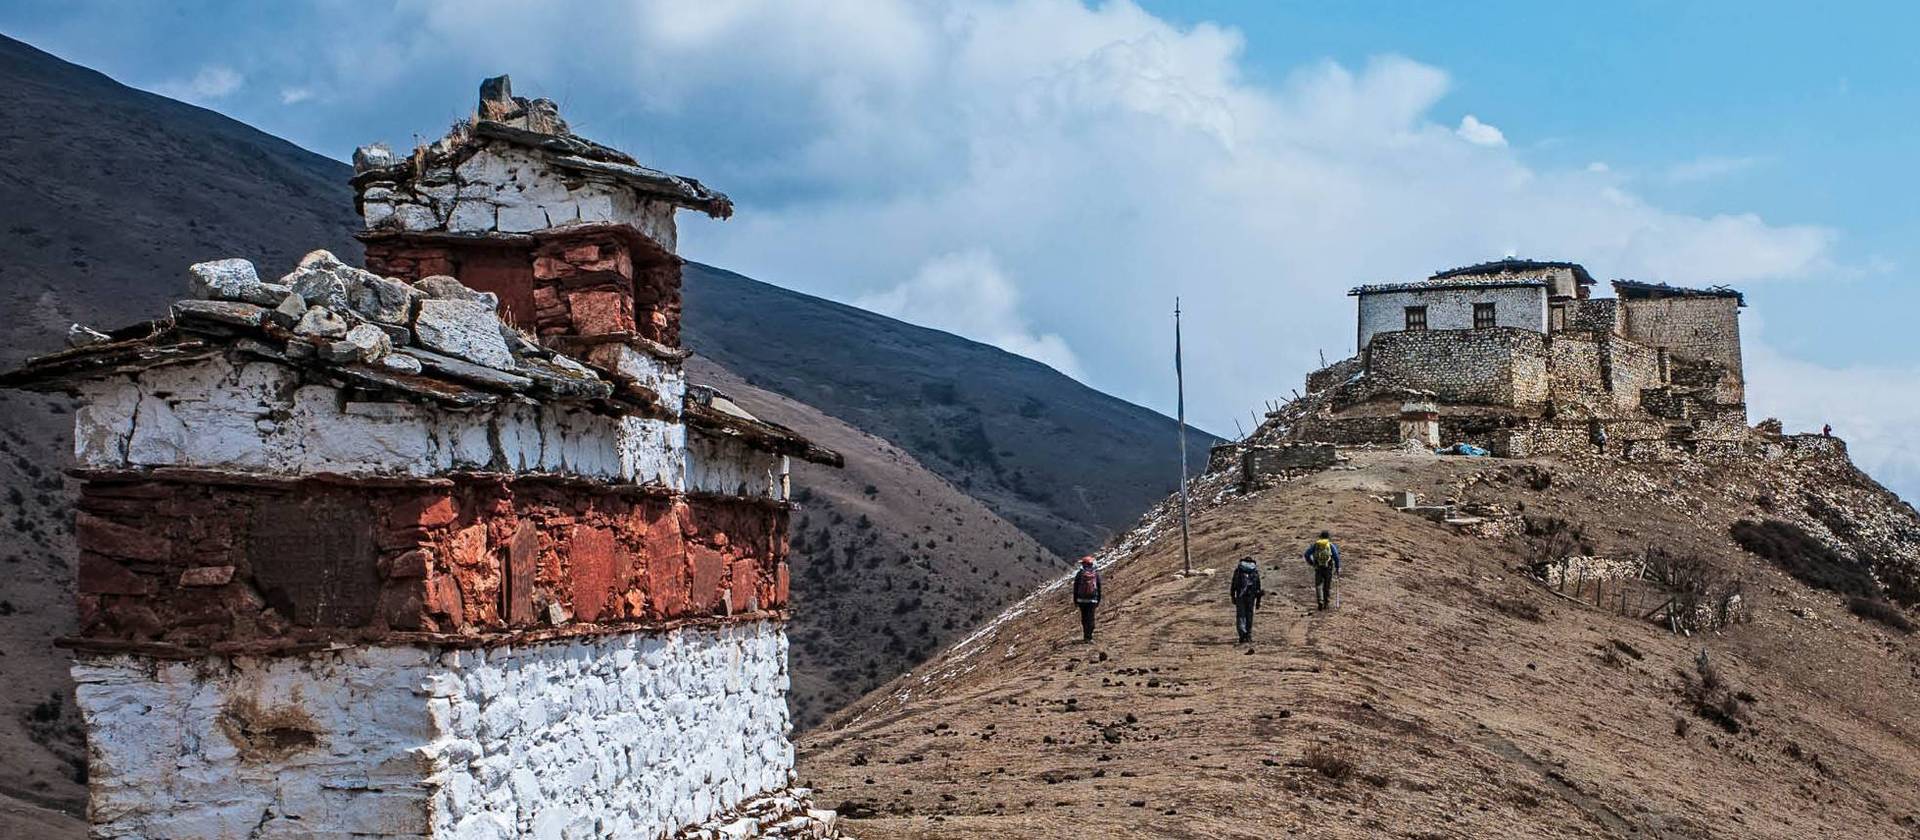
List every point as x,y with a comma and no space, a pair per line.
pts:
1046,175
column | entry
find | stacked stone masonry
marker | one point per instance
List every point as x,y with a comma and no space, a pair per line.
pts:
249,565
1502,366
630,735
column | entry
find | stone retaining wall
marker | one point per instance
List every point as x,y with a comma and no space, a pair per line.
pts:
1501,367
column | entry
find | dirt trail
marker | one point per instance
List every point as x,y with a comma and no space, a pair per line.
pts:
1459,719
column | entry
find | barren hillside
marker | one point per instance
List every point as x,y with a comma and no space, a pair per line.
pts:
1448,694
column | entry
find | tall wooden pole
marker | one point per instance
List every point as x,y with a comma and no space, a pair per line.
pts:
1180,383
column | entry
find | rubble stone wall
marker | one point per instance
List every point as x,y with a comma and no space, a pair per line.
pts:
1595,374
1501,366
1520,307
1592,314
248,565
1696,327
585,280
627,735
1262,464
263,417
503,188
1334,374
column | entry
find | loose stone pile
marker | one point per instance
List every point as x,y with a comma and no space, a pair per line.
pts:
344,314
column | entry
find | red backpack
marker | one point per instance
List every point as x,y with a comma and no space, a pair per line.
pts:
1086,585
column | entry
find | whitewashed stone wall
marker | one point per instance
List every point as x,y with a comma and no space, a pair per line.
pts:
723,465
258,417
1524,307
504,188
632,735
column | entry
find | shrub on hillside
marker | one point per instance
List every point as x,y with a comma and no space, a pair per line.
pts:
1330,761
1714,698
1874,609
1804,556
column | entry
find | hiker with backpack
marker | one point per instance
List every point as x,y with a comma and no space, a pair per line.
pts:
1086,595
1324,557
1245,591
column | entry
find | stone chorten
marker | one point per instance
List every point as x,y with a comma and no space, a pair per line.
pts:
444,547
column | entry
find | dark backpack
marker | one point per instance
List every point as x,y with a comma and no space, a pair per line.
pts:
1086,585
1246,582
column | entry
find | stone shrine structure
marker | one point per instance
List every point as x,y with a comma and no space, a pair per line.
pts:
1517,356
443,548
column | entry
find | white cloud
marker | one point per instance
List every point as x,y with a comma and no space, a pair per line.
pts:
967,293
1478,133
1875,408
212,82
1599,167
295,95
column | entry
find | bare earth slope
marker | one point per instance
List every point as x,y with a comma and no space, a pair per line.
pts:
1470,701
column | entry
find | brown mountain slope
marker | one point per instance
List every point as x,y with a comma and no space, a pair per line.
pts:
1470,701
890,564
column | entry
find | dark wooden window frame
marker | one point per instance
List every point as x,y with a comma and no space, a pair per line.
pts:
1416,319
1485,316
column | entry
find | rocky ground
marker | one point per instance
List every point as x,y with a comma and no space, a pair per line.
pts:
1448,695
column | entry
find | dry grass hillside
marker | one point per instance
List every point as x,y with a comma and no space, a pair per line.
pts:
1447,696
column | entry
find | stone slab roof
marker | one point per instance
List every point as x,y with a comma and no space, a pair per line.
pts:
1514,265
431,341
1445,285
535,124
1637,290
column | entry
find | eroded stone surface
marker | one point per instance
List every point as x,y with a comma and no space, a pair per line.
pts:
467,329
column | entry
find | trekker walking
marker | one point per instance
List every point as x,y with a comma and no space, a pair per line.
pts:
1324,557
1086,594
1245,591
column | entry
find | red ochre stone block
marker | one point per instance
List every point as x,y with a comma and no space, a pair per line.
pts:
411,564
781,584
591,557
444,601
704,595
102,576
116,540
431,511
404,604
599,313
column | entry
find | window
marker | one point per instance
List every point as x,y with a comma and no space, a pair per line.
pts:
1416,318
1483,317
